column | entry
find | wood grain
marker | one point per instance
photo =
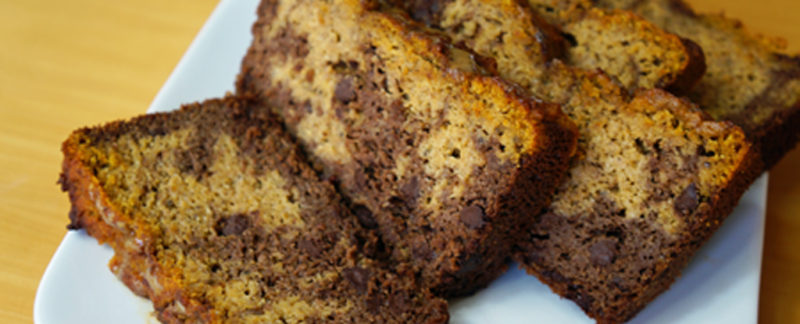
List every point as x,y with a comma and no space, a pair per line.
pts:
67,64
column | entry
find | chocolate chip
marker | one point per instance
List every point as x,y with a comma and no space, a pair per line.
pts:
410,190
364,216
400,301
234,225
603,253
197,158
310,247
345,90
422,251
619,283
686,203
468,264
374,303
472,217
358,277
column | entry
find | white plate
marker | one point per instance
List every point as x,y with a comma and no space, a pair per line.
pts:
720,285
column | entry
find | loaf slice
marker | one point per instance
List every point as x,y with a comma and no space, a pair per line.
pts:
654,178
214,215
632,50
445,162
750,80
656,182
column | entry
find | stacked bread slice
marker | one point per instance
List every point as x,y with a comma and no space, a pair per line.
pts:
750,79
216,215
382,154
444,160
653,179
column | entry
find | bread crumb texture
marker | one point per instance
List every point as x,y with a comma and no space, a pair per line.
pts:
214,215
418,134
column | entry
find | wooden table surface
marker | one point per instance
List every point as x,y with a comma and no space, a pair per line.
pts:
66,64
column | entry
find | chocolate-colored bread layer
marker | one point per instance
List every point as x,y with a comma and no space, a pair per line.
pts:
653,179
444,160
214,215
750,80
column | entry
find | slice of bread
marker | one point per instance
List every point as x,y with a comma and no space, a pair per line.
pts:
445,160
214,215
654,178
657,180
630,49
750,80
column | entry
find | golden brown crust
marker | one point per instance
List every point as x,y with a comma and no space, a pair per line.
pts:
89,204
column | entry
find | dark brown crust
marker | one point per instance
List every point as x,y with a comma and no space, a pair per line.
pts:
95,212
692,72
781,132
551,40
779,136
